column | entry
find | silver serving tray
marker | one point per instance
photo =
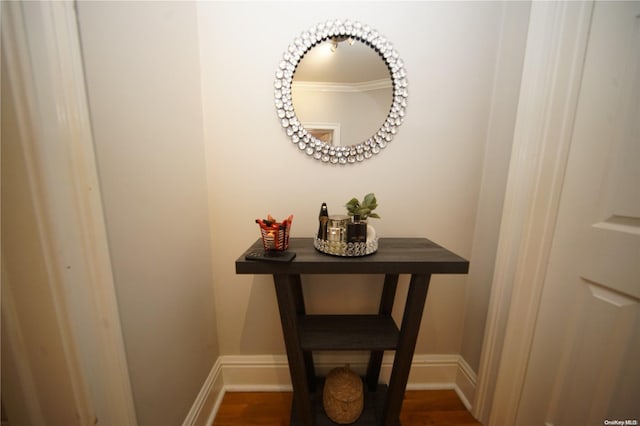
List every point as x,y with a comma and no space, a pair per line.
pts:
341,248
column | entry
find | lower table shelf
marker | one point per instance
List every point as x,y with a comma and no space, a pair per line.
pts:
348,332
371,413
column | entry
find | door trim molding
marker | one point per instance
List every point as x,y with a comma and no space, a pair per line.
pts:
45,70
552,74
19,378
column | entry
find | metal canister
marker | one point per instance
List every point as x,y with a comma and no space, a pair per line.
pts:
337,229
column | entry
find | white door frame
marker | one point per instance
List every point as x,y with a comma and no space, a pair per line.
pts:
42,49
551,79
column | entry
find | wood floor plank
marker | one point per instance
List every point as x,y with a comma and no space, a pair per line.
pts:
420,408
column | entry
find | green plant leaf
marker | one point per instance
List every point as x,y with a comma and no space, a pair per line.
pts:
369,199
364,209
353,201
352,206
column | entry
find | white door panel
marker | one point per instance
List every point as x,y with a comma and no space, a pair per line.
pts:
583,368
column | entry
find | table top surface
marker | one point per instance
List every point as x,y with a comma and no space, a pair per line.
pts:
394,256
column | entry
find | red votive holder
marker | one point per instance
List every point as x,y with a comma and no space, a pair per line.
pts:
275,235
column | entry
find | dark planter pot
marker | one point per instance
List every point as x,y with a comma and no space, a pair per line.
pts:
357,230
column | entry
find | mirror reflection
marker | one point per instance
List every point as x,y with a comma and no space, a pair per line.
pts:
342,91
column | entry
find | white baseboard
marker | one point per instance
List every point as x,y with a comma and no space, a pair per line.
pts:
466,380
270,373
208,400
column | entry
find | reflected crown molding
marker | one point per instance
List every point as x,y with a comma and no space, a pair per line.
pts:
326,86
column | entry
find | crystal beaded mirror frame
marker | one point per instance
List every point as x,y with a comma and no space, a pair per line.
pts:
300,136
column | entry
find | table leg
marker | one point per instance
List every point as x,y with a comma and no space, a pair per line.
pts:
416,297
289,294
386,306
296,288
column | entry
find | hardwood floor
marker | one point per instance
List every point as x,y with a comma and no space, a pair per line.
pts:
420,408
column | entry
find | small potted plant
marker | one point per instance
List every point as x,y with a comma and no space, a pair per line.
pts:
360,211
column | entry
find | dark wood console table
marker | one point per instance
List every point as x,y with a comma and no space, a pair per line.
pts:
304,333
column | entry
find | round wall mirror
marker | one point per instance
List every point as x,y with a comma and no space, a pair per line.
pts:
341,92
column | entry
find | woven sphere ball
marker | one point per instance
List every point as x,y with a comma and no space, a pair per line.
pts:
342,396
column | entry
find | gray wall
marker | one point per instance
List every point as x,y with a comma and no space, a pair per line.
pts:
143,81
442,177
